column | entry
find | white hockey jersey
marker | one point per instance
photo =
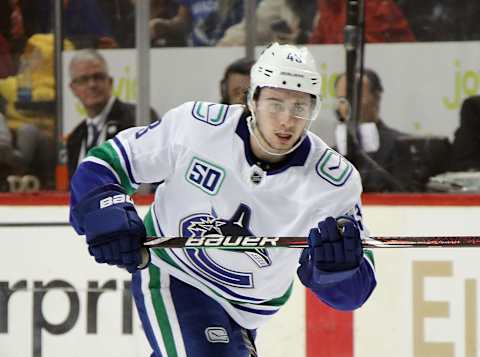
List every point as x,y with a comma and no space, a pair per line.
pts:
212,185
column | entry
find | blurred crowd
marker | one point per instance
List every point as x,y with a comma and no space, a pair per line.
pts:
28,138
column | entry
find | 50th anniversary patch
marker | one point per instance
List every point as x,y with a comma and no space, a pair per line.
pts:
206,176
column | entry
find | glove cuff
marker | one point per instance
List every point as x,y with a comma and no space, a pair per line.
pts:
322,277
96,199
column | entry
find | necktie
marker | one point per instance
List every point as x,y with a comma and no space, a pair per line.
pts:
92,137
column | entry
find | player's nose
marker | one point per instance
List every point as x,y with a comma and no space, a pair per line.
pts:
286,119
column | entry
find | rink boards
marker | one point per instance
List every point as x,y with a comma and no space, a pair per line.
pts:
55,301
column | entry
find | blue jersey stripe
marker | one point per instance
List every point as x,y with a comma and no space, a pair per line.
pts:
88,176
126,159
142,310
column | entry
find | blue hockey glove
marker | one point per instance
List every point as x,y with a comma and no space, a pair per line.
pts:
113,229
335,245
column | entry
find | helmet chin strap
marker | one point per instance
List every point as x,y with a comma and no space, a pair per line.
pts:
251,123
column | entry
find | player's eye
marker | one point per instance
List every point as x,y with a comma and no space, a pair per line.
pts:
299,109
276,107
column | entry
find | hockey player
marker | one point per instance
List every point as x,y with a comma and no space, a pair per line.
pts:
230,170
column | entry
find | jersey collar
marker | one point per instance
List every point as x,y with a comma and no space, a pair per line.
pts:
295,158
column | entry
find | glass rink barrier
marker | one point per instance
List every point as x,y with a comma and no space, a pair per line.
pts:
398,92
415,115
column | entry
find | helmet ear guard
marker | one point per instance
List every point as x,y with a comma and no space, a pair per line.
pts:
286,67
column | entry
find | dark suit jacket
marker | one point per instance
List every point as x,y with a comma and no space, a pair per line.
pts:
121,116
466,145
372,180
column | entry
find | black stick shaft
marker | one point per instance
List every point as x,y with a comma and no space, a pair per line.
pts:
249,242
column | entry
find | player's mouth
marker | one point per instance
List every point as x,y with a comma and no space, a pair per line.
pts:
284,138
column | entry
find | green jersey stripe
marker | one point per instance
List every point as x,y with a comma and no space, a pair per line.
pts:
161,311
107,153
281,300
369,255
150,228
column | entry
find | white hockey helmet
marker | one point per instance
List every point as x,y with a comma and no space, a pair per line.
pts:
287,67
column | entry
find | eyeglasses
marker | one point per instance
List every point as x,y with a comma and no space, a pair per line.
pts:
96,77
297,110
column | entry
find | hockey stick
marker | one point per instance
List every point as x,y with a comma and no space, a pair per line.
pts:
33,224
249,242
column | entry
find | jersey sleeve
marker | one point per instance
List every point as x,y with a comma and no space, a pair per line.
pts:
344,290
135,156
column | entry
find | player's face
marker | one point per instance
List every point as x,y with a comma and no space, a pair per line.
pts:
91,85
282,116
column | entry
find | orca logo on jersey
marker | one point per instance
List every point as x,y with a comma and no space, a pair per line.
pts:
333,167
113,200
217,335
209,227
210,113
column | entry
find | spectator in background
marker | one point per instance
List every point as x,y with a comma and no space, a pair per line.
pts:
10,160
29,99
21,19
120,18
87,25
34,83
100,23
32,17
466,145
12,36
5,19
376,137
236,81
203,21
284,21
92,84
384,22
160,11
25,151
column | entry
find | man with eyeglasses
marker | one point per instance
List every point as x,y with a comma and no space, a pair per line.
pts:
91,83
229,170
377,139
